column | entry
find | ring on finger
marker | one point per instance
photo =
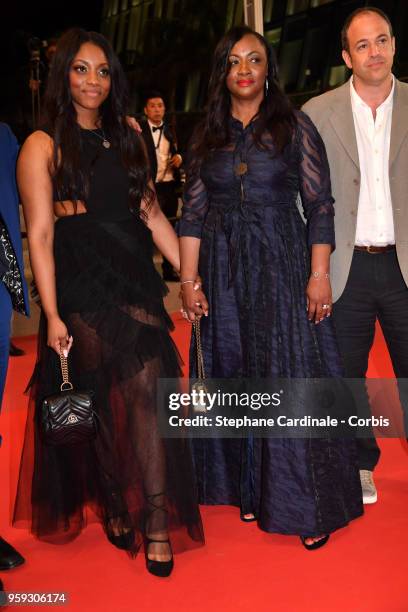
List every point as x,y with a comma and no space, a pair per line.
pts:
325,306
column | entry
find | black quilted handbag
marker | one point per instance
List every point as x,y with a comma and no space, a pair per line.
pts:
68,417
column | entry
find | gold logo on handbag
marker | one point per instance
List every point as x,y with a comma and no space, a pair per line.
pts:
199,404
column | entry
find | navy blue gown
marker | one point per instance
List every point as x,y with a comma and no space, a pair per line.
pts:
255,265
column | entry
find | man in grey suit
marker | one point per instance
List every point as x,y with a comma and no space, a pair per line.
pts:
364,126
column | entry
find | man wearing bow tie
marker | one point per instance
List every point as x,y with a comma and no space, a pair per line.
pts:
164,162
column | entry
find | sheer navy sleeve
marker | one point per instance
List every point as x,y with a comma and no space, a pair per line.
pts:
314,183
195,201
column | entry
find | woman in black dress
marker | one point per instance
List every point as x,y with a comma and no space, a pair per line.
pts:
266,289
102,301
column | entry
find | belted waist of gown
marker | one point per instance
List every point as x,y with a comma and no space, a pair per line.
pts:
227,203
243,218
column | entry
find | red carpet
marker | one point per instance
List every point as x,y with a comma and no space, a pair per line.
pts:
362,569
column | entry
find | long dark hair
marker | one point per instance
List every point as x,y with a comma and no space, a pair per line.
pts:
60,116
275,112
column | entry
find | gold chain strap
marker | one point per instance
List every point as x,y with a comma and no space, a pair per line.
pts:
66,384
200,360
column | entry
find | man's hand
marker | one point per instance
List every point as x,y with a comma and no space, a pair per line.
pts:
176,161
135,125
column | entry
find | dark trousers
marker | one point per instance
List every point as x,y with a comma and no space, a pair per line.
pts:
375,289
5,322
167,196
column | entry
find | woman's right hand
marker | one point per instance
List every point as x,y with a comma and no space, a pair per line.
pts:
58,337
194,301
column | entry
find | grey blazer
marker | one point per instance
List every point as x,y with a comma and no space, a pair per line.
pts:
333,117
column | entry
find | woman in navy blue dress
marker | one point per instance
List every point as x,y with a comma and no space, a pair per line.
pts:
266,289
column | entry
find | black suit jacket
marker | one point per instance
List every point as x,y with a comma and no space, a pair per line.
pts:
151,149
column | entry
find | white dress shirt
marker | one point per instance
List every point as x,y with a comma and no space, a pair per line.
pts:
375,223
162,145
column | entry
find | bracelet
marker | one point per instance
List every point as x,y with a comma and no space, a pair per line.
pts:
187,281
318,274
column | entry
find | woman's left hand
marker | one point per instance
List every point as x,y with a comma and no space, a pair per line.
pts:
319,299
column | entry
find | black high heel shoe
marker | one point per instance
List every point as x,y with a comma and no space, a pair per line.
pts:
3,598
315,545
125,536
124,541
162,569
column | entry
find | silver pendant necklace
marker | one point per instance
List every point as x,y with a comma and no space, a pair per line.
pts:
105,141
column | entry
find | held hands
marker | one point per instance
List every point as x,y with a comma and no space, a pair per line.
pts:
58,337
319,297
195,303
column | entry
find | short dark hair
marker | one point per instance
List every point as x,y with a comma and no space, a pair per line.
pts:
153,94
356,13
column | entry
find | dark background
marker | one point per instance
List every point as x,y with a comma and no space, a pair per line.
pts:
167,45
19,21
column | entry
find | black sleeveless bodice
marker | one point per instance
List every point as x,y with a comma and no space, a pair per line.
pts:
108,180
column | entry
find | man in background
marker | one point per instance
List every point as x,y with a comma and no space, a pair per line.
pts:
364,127
50,49
165,162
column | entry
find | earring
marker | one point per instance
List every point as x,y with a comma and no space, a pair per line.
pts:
266,86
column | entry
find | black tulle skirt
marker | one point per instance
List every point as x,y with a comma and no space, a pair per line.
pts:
111,299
